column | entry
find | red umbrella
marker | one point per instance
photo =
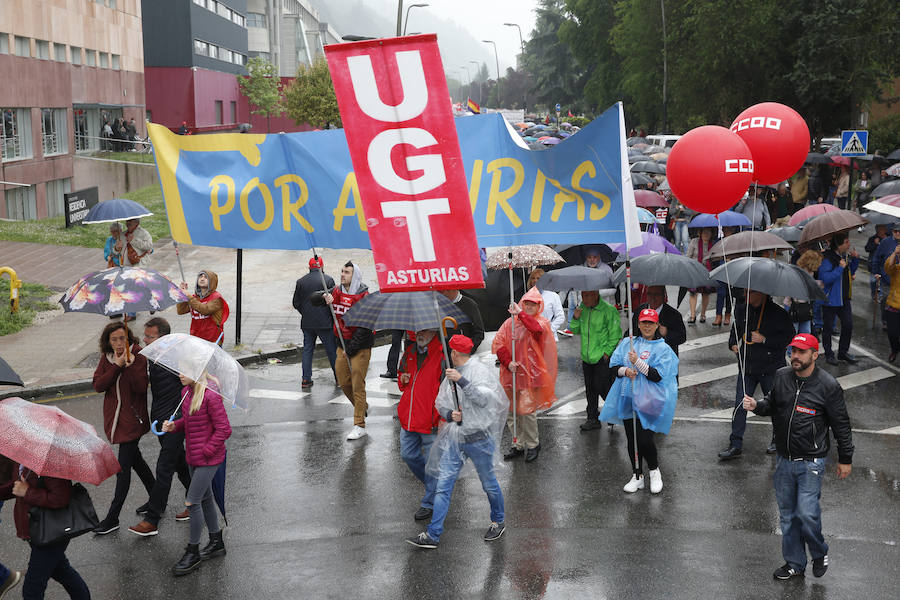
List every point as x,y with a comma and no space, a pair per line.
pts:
648,199
813,210
54,444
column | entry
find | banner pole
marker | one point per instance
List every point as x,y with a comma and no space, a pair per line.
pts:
237,322
637,457
337,326
515,373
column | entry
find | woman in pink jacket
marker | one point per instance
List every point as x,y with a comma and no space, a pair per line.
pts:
206,427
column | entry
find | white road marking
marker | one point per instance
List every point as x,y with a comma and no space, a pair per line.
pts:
717,373
277,394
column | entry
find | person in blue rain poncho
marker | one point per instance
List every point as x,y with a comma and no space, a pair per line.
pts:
645,385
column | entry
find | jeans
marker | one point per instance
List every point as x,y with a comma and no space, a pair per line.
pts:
798,487
597,381
845,315
4,573
723,300
452,461
171,460
414,448
50,562
739,421
682,237
129,458
309,346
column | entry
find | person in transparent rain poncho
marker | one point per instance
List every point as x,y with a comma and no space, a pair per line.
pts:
472,431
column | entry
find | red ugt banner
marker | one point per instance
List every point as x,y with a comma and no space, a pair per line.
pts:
396,112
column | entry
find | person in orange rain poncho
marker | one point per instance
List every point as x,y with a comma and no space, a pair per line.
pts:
535,371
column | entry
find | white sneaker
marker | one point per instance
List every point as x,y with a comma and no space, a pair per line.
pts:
356,433
636,483
655,481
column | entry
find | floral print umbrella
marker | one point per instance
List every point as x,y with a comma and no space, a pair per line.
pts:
122,289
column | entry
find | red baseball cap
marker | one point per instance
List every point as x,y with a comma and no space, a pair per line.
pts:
313,264
648,314
805,341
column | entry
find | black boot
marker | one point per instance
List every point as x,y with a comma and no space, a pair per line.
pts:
215,547
190,561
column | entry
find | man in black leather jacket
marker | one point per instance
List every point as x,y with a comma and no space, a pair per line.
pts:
805,403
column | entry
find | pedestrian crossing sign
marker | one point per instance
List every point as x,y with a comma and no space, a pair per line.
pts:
854,142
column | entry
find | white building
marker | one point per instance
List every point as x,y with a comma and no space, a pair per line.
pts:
287,33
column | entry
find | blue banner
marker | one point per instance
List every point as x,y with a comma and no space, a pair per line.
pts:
297,190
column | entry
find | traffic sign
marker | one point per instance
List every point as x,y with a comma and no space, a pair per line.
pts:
854,142
558,107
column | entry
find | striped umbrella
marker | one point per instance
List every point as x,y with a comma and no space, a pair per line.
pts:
408,311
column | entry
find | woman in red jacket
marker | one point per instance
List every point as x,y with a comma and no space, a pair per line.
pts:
206,427
122,376
50,561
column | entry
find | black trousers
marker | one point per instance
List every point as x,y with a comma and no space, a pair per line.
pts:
50,562
129,458
845,315
597,381
394,352
171,460
646,445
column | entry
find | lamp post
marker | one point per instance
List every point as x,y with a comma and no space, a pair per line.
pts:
522,45
497,61
399,17
469,79
478,68
409,8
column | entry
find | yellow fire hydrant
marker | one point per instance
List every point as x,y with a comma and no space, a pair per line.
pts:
14,284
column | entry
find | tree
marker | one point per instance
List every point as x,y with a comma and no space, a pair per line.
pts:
587,33
310,97
558,76
262,88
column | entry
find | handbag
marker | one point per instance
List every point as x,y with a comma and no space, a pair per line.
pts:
49,526
800,312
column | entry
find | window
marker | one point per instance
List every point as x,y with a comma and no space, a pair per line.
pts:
59,52
54,137
4,43
90,58
263,55
223,11
239,59
15,139
225,54
238,19
200,3
213,51
42,48
211,5
75,51
23,46
201,48
104,60
87,129
55,191
256,20
20,204
218,112
115,62
233,111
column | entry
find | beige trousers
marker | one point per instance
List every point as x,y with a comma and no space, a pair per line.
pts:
526,430
354,384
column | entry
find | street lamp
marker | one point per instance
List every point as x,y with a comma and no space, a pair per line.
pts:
477,69
409,8
522,44
497,61
468,79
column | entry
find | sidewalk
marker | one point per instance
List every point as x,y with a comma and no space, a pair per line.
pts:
59,353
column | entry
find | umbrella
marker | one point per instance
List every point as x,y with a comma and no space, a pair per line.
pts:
652,244
895,155
576,253
648,166
663,187
649,199
665,269
879,218
888,205
887,188
116,209
808,212
645,216
725,219
54,444
551,141
640,179
635,140
407,311
770,277
824,226
894,170
8,376
529,255
660,157
817,158
747,242
840,161
654,149
122,289
636,158
577,278
790,233
192,357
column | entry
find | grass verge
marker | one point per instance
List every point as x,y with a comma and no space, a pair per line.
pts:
32,300
53,230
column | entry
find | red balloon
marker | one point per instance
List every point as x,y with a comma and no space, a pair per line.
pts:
709,169
778,139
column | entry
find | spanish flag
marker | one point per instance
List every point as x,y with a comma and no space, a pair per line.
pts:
470,104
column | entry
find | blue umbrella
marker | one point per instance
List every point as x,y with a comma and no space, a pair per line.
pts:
117,209
645,216
726,219
218,487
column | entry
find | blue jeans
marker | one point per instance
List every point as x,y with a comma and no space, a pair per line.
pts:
452,461
798,487
739,422
414,448
682,237
4,573
309,346
723,300
50,562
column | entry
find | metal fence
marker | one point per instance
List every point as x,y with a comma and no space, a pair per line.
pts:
138,150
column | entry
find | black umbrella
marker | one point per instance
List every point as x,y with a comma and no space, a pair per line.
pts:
895,155
648,166
789,233
577,278
576,254
817,158
877,218
8,376
638,179
887,188
635,140
770,277
665,269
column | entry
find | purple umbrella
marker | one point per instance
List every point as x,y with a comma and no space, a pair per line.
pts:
551,141
653,244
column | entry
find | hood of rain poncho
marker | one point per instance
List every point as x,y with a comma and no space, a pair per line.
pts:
536,377
484,408
654,402
356,282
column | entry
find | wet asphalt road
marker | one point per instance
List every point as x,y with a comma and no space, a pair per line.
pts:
314,516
